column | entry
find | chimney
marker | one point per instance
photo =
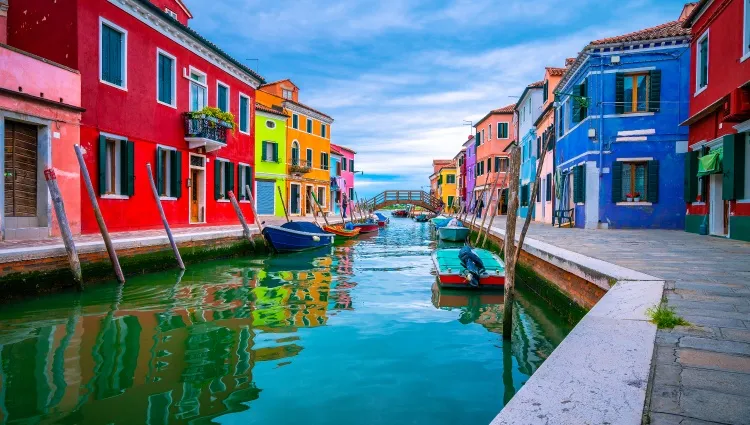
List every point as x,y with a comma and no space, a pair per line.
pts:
686,11
4,21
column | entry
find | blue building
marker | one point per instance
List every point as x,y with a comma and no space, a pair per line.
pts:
620,150
528,109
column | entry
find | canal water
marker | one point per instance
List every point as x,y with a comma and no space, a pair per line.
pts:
357,333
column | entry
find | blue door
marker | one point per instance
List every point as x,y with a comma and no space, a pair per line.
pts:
266,195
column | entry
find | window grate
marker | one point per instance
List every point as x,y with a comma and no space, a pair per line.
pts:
197,161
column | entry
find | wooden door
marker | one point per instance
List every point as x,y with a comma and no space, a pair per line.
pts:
20,169
194,196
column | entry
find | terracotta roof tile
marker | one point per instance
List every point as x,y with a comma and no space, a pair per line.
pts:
569,61
508,109
263,108
305,106
667,30
555,72
536,84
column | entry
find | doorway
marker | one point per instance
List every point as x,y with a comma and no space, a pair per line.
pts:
21,145
294,204
308,197
718,210
197,189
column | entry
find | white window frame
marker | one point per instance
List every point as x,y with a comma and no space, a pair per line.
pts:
507,132
229,97
241,185
284,92
239,112
309,126
170,12
698,63
202,198
745,31
481,142
324,130
124,32
289,199
489,132
169,196
223,181
118,163
321,202
174,78
191,81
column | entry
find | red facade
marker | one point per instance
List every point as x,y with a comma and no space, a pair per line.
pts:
133,112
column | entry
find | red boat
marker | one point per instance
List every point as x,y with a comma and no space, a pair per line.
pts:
366,227
452,274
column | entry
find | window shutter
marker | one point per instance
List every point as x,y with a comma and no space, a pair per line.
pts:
176,173
275,152
217,178
619,93
579,184
616,182
127,168
489,165
105,53
102,165
229,174
584,93
115,57
691,176
576,110
248,180
476,139
652,191
654,95
733,185
159,177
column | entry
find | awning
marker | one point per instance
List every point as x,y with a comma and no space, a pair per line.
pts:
710,163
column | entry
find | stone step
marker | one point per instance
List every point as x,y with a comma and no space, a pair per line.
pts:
26,233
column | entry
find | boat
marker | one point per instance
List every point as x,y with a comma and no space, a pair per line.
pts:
440,221
296,236
339,230
453,233
452,272
382,220
421,218
367,227
400,213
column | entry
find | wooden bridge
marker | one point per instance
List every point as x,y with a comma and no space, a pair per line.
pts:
417,198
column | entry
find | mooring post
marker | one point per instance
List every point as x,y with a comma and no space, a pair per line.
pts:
176,251
255,213
315,219
62,220
320,209
241,217
99,217
283,204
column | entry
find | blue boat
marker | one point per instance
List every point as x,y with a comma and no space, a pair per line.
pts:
453,233
382,220
296,236
440,221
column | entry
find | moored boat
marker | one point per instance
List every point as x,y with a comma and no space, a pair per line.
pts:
400,213
366,227
421,218
469,269
339,230
440,221
382,220
453,233
296,236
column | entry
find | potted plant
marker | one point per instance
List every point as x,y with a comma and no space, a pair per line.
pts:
629,197
215,116
637,197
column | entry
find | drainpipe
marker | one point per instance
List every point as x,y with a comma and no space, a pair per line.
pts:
601,134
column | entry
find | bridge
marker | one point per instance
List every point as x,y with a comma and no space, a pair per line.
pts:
417,198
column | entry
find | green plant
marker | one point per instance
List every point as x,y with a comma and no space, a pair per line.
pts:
227,118
665,317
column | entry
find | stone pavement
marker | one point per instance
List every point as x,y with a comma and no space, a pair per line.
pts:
702,372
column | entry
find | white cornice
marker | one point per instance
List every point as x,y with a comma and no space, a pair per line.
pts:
279,116
185,40
308,112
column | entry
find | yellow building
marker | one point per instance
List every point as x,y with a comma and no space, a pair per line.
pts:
446,182
308,147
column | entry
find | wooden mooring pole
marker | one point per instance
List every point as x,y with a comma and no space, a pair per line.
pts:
241,217
99,217
176,251
283,204
320,209
62,220
509,243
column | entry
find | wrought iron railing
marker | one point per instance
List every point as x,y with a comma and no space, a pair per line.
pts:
412,197
300,166
205,127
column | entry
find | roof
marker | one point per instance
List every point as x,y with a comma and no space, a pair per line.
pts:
507,109
697,9
555,72
569,61
279,81
263,108
534,85
344,148
155,9
307,107
666,30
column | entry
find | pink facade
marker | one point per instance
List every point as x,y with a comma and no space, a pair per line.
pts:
494,132
545,129
347,171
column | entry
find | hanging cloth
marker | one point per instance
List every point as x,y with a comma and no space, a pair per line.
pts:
558,184
711,162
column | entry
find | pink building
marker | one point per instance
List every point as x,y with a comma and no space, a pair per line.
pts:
40,114
347,168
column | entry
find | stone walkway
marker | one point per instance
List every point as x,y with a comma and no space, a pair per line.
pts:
702,372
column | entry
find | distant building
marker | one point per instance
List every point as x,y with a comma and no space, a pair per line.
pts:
271,155
446,183
346,179
528,109
494,133
460,161
470,162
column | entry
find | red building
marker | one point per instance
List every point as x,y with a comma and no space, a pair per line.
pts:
142,71
719,142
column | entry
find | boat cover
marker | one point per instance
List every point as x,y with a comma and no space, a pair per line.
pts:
302,226
381,216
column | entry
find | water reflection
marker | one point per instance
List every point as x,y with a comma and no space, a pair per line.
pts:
216,340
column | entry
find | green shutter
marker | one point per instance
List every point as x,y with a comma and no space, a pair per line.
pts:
576,104
243,114
690,180
652,190
102,165
222,98
105,53
616,182
733,185
176,173
111,55
584,93
229,176
703,58
127,168
159,176
217,178
476,139
275,147
579,184
248,180
263,147
654,94
619,93
295,121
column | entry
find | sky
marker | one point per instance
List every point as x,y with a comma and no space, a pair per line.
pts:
399,77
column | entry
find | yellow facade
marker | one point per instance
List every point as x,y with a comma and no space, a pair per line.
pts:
447,187
308,148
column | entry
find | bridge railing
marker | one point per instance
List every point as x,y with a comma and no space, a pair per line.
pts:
412,197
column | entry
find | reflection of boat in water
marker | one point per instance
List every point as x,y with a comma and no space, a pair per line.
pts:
305,260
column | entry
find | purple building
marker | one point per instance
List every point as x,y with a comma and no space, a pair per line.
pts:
470,159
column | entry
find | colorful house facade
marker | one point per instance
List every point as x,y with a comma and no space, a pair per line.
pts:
494,133
446,182
719,94
347,172
545,135
460,161
146,78
620,147
271,159
437,165
528,110
470,162
337,182
308,145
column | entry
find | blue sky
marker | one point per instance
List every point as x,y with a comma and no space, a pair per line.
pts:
400,76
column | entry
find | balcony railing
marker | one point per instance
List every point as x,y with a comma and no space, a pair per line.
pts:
300,166
205,131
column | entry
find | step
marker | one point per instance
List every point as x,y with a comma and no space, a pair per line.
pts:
26,233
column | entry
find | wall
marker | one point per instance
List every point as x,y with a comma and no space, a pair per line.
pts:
490,148
348,174
271,170
543,209
45,28
175,6
471,159
447,189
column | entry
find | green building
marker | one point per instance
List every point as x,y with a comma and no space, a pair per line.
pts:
270,159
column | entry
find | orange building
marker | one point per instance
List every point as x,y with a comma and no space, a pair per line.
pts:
308,147
494,132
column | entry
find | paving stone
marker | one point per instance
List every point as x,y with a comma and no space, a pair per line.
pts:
715,380
736,334
702,305
667,374
715,321
666,399
727,347
715,406
667,419
665,354
689,357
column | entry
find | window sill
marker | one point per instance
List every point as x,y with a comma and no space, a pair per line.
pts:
167,198
634,204
123,88
167,104
745,57
223,201
244,202
700,90
743,201
246,133
111,196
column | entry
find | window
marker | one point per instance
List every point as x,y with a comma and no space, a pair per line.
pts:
323,130
116,171
482,138
343,164
548,187
295,121
746,34
321,196
579,184
489,165
286,94
168,172
580,105
561,119
113,58
489,132
501,164
244,178
295,153
309,158
222,96
270,151
324,164
502,130
166,78
450,178
309,126
198,90
545,91
170,12
270,124
223,178
351,165
351,193
701,63
636,93
244,114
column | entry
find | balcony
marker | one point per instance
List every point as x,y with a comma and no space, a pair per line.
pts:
299,166
205,131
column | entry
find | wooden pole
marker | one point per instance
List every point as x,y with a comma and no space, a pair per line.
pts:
283,204
492,219
62,220
320,209
481,197
315,219
255,214
176,251
241,217
489,206
99,217
509,243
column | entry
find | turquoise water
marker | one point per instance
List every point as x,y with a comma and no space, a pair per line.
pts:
357,333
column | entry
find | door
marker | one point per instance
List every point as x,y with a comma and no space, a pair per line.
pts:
265,197
294,206
308,199
20,169
718,207
194,196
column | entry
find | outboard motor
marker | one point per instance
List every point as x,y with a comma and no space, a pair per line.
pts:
473,265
